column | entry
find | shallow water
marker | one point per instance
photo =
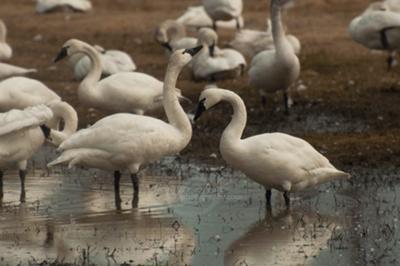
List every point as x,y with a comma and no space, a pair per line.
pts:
197,214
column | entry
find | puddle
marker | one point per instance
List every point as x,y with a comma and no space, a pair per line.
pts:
197,214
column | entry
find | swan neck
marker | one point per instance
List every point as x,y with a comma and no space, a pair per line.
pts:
88,84
67,113
278,31
234,131
174,111
3,32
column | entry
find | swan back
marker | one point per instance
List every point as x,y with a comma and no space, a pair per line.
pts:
43,6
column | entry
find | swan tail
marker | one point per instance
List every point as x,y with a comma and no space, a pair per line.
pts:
64,158
320,176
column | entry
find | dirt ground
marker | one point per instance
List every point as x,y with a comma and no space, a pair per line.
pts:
350,110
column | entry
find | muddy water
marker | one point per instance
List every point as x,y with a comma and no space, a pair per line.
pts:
197,214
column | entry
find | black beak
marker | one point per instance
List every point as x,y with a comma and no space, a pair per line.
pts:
46,131
167,45
211,48
200,109
61,55
193,51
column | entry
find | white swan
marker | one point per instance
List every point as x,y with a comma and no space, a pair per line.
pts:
251,42
171,34
21,92
223,10
5,49
112,62
44,6
7,70
377,28
213,63
278,69
131,92
22,132
393,5
128,141
197,17
274,160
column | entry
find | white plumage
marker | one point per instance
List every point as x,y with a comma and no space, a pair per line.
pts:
132,92
278,69
5,49
275,160
112,62
213,63
7,70
21,136
223,10
128,141
20,93
197,17
44,6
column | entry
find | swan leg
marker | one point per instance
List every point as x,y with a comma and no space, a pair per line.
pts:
268,195
287,199
286,102
263,101
1,185
117,177
214,25
135,184
391,60
237,23
22,175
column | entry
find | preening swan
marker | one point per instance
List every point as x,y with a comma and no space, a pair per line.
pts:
377,28
171,34
131,92
5,49
112,62
22,132
128,141
20,93
223,10
278,69
213,63
197,17
44,6
274,160
251,42
7,70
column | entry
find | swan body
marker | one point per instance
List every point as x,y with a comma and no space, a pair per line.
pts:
172,35
251,42
131,92
129,141
393,5
21,92
21,134
5,49
223,10
197,17
213,63
44,6
7,70
112,62
274,160
278,69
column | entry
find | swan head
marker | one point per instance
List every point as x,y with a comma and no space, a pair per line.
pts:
182,57
207,99
168,31
71,47
377,6
209,38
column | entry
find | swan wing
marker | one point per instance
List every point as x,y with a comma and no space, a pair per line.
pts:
14,120
7,70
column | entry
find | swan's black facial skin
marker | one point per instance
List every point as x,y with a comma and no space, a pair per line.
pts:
167,45
211,48
62,54
200,109
46,131
193,51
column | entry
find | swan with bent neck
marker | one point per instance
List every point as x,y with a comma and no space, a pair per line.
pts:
275,70
274,160
21,92
129,141
131,92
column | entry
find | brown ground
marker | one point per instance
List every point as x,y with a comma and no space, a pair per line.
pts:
331,62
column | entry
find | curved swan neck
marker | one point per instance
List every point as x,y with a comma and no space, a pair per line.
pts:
175,113
234,130
278,31
88,84
3,32
67,113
